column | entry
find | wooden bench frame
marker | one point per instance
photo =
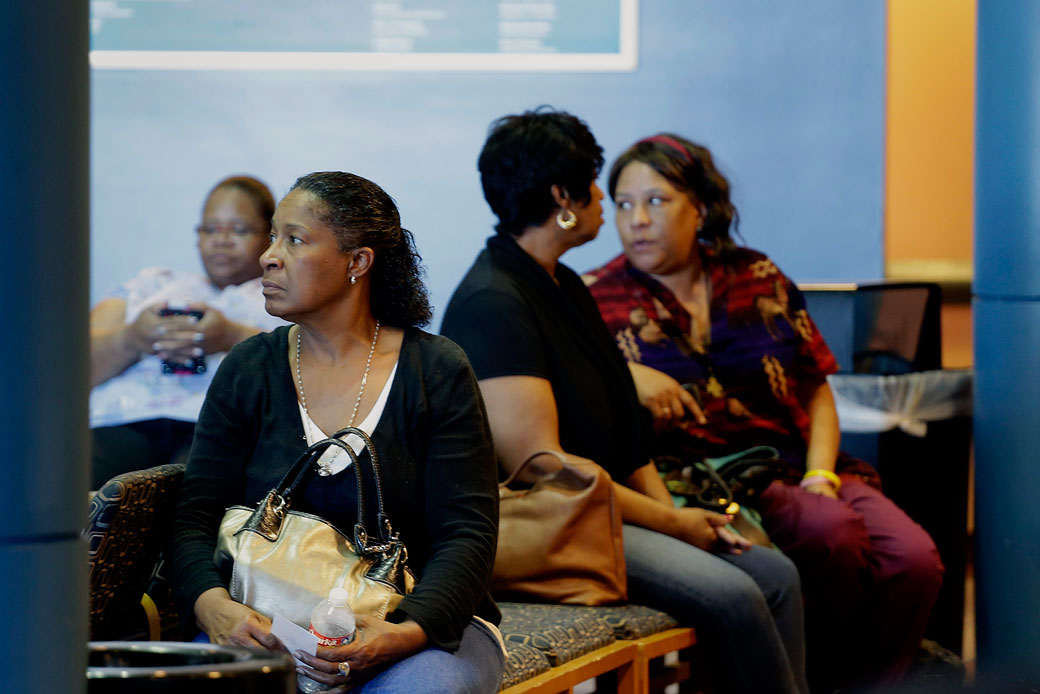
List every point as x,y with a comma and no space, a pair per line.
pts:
628,660
658,645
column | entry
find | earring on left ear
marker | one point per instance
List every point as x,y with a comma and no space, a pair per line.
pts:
568,222
353,279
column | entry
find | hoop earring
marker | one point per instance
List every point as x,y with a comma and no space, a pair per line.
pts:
566,223
353,280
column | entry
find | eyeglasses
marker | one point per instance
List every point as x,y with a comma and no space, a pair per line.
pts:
239,231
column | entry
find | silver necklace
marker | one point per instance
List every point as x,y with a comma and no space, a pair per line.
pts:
323,468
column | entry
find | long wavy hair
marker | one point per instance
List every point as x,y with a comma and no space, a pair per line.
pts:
690,168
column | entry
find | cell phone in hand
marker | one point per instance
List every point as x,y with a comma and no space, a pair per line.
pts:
198,364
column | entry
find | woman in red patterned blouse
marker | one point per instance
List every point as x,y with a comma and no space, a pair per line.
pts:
694,313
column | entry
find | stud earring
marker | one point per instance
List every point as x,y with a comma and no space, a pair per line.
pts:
353,280
566,223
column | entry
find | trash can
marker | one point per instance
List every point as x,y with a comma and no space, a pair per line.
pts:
131,667
920,424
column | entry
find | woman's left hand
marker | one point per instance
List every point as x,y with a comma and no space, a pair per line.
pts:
376,645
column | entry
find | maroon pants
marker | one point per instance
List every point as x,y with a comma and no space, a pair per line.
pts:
870,576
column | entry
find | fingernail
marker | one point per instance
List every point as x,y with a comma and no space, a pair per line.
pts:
155,346
298,654
198,337
729,516
197,352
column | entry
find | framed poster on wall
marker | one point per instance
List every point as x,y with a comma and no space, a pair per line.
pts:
424,35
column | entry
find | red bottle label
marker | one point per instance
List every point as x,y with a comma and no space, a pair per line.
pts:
331,640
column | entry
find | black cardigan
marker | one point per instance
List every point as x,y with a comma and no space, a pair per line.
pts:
437,460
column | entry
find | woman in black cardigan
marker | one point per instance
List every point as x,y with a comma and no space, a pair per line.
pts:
344,271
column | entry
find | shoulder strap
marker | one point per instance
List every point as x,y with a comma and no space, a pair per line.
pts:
519,468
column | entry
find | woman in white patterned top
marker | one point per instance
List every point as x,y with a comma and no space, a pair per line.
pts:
156,340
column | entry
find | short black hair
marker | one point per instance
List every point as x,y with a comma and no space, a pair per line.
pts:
690,168
360,213
525,155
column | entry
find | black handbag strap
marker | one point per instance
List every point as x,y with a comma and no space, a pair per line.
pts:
301,468
725,493
386,530
307,464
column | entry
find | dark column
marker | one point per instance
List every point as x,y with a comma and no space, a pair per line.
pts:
1007,339
44,184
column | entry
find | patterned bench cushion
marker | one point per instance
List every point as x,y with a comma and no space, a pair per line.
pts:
632,621
522,663
561,632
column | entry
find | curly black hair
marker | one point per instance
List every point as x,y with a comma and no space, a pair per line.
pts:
360,213
525,155
690,168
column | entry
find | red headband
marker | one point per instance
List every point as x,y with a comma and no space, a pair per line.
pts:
671,143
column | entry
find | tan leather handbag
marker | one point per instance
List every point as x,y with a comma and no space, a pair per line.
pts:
560,540
285,562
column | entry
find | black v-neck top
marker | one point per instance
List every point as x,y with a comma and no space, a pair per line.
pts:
512,319
436,455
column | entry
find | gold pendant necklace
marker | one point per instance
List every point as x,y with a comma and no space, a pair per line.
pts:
323,468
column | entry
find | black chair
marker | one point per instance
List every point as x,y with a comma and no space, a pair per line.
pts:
897,328
879,328
127,526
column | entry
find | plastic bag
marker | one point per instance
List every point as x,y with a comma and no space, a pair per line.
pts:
869,403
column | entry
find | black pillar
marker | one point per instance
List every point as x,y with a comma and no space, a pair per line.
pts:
44,191
1007,339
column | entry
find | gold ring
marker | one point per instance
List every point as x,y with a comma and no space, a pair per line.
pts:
344,668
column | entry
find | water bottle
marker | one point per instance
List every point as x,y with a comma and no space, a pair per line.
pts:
332,621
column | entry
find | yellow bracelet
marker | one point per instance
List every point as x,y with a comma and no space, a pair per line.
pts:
826,474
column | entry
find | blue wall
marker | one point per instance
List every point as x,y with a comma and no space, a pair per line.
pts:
789,96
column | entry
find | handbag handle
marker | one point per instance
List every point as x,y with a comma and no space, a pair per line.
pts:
726,493
300,469
520,468
386,530
758,453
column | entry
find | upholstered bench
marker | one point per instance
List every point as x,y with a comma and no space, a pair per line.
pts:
551,648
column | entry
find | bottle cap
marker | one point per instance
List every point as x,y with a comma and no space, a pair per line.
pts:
339,596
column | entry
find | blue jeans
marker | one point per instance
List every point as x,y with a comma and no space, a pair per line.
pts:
476,668
747,608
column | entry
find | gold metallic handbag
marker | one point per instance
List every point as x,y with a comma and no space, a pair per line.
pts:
283,561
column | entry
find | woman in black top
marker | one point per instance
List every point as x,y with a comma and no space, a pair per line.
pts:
553,378
344,271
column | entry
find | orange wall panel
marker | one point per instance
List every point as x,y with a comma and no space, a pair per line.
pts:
929,153
930,128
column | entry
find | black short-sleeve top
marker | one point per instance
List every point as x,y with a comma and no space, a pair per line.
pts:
513,319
